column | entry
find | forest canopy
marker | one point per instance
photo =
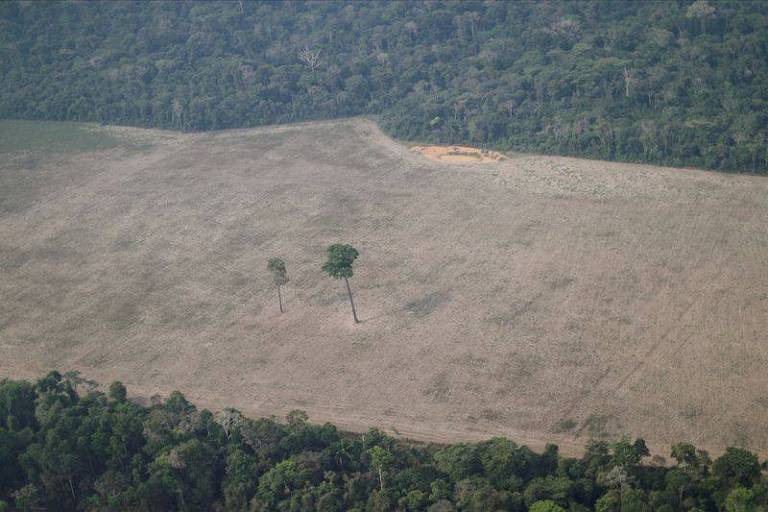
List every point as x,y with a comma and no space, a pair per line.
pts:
681,83
66,446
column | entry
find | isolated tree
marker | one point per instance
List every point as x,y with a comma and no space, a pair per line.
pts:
339,265
280,275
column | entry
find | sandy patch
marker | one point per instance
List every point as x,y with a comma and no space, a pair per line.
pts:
459,154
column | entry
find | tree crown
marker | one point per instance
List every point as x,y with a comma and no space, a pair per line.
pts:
340,260
279,273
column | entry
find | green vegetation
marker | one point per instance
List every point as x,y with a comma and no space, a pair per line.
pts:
670,82
565,425
63,450
341,257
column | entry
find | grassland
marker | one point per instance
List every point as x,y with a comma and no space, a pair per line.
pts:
53,137
542,298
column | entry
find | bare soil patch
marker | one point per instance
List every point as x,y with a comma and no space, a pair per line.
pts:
459,154
542,298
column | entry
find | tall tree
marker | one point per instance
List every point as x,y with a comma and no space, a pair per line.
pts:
341,257
381,459
700,10
280,276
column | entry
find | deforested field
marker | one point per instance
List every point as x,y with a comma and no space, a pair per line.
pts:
541,298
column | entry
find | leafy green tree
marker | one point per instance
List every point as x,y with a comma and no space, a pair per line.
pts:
679,482
297,419
381,460
742,500
737,466
341,257
189,473
596,457
101,453
506,464
239,483
12,445
631,500
439,490
556,489
628,454
416,499
117,391
442,506
280,276
684,454
29,498
458,461
546,506
277,483
617,478
609,502
17,404
476,494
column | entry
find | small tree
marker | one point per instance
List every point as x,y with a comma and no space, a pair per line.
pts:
117,391
280,275
339,265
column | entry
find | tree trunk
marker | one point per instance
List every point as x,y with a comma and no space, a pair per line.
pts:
280,298
72,490
351,301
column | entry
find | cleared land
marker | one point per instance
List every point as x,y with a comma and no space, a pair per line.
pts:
541,298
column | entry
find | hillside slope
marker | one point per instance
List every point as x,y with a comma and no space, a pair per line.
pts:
537,297
681,83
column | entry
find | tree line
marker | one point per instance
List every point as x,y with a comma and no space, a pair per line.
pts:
676,82
66,446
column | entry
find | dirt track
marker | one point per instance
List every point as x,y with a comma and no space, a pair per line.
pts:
498,299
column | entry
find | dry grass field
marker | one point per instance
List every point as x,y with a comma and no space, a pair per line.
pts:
542,298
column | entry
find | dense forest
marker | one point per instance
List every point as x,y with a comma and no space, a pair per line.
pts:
65,446
672,82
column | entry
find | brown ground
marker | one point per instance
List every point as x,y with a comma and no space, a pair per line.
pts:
540,298
459,154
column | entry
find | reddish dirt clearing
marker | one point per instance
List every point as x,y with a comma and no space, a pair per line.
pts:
542,298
